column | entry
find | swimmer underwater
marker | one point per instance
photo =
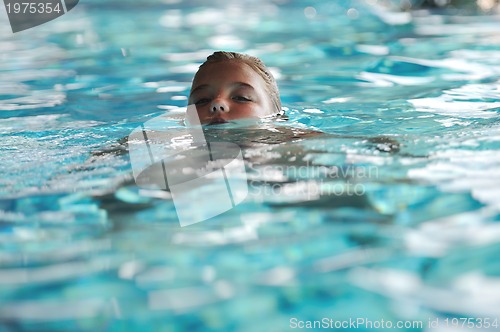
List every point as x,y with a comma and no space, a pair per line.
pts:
230,87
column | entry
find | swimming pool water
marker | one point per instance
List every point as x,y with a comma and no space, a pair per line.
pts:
84,249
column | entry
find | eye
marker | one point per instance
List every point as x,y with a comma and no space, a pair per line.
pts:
202,101
241,99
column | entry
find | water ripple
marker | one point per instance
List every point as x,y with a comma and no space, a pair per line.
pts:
413,95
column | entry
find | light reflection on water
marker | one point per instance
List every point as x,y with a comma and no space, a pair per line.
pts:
413,94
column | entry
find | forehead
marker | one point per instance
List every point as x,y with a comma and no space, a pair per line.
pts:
226,72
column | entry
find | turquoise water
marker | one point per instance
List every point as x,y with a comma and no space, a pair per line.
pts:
84,249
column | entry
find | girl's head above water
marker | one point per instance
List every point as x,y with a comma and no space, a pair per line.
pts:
230,86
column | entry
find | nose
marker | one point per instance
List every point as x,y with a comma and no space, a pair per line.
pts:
219,106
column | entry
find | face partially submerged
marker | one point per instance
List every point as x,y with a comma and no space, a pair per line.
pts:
229,90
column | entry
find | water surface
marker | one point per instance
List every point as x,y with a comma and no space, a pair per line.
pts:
83,248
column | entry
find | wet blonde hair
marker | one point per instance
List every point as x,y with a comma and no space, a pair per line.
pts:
258,66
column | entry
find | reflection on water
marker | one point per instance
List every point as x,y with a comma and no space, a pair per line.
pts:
386,209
